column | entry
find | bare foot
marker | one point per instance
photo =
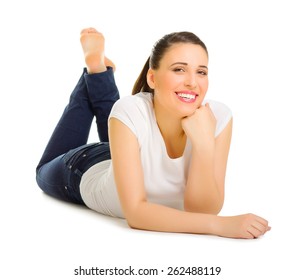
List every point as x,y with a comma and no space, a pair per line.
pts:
92,43
109,63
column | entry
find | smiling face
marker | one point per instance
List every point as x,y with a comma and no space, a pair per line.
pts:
181,81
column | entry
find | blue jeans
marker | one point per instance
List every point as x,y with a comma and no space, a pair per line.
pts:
67,155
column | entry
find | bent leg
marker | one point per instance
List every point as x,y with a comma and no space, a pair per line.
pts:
94,95
74,125
102,93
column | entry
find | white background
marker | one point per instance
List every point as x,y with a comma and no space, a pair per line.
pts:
251,47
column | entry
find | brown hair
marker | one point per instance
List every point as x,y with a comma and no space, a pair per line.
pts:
158,51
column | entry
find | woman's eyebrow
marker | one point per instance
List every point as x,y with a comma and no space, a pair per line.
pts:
184,63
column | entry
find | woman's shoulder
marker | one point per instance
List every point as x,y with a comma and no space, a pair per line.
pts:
141,99
135,111
218,107
139,106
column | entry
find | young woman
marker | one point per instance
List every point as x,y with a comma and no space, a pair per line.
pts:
161,160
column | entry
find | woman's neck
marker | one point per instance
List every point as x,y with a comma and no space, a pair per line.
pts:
172,132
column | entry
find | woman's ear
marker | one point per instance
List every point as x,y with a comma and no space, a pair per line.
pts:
150,78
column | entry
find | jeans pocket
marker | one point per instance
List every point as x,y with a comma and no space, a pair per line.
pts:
71,157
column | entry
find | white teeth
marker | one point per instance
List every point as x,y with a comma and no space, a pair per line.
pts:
187,95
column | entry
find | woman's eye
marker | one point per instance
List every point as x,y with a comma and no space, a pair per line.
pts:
203,73
178,70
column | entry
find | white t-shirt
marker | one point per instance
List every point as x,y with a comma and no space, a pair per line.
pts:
164,178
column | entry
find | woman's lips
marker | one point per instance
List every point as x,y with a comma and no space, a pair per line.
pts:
187,96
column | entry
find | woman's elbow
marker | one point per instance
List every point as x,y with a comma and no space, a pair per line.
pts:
133,220
132,224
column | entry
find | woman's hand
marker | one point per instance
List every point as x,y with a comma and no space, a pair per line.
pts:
200,126
247,226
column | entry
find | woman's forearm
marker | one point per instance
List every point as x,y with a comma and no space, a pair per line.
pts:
202,193
150,216
154,217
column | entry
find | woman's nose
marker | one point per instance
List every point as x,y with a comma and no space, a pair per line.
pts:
191,80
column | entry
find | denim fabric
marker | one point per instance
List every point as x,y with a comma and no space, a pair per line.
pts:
67,155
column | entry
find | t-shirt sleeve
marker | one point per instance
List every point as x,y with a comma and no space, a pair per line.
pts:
222,113
123,111
130,111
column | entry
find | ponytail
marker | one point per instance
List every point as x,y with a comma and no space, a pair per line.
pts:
141,84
